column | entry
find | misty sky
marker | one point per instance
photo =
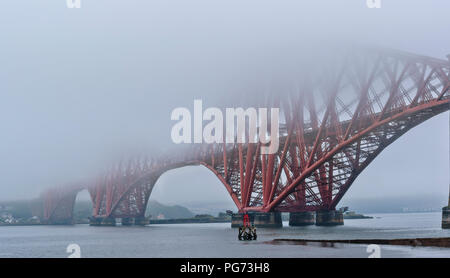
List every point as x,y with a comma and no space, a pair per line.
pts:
81,87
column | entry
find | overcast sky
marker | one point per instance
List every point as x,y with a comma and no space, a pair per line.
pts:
80,87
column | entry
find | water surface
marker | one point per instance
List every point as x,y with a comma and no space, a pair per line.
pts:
219,240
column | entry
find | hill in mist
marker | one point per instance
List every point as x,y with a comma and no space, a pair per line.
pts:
156,209
83,209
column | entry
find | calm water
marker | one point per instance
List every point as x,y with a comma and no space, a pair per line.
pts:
219,240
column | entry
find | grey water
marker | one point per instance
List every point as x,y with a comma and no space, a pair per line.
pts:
220,240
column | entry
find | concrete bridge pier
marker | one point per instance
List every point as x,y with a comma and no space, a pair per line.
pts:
237,220
446,217
268,220
259,219
141,221
127,221
68,221
446,214
301,218
102,221
137,221
329,218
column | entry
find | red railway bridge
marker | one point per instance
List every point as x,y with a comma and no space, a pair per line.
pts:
333,127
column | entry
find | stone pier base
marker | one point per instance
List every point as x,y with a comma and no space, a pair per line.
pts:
141,221
268,220
68,221
446,217
329,218
259,219
301,218
237,219
102,221
127,221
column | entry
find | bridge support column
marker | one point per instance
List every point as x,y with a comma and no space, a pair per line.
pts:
94,221
259,219
446,217
102,221
109,221
237,219
268,220
446,211
141,221
329,218
68,221
301,218
127,221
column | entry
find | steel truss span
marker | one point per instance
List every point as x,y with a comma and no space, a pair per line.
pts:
334,125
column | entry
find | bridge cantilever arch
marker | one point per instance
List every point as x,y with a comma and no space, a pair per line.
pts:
334,125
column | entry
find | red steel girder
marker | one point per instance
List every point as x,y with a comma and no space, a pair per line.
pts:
331,132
